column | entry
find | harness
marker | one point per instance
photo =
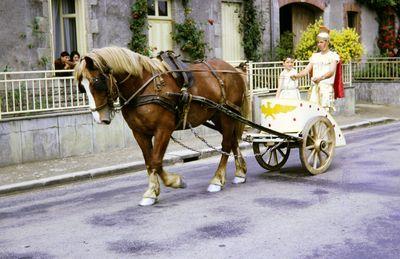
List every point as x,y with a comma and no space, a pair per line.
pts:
180,104
181,74
170,105
184,79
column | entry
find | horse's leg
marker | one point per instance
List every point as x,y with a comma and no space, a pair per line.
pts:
152,192
144,142
172,180
240,163
161,139
219,179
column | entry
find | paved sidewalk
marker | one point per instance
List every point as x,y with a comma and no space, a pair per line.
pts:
38,174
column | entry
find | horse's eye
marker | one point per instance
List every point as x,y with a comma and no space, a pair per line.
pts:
100,83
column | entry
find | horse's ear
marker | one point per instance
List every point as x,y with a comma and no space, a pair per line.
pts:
89,63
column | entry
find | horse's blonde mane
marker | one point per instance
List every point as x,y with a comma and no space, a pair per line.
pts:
120,60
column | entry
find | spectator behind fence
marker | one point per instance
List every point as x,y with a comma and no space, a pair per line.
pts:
63,63
75,57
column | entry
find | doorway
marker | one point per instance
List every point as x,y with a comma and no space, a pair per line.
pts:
296,17
232,49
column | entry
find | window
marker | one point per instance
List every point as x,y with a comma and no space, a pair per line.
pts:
352,14
67,26
352,19
158,8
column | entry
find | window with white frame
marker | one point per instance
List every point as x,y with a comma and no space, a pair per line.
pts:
68,26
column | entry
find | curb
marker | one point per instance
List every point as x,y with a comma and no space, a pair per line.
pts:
171,158
367,123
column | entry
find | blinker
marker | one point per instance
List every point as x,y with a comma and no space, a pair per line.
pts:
100,83
81,88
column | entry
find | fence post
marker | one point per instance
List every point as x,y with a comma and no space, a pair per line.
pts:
351,73
251,87
1,107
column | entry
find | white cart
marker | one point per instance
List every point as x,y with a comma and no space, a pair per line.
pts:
302,125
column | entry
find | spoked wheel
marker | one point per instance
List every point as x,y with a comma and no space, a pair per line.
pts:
318,146
271,156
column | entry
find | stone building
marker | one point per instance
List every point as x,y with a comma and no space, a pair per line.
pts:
34,32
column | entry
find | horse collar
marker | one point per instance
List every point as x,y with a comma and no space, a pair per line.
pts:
140,89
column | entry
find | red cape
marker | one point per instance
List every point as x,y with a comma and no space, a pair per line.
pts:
338,83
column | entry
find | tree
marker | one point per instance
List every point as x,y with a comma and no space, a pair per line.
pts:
251,29
386,11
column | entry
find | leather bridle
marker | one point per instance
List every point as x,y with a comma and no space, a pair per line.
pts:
100,83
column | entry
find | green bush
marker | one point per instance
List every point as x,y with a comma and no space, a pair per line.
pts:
251,29
308,41
138,26
190,38
378,4
345,42
285,46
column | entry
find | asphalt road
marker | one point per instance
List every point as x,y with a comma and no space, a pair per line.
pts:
351,211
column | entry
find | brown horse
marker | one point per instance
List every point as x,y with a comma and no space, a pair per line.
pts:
144,87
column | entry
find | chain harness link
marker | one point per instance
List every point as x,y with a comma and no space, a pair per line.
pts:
197,135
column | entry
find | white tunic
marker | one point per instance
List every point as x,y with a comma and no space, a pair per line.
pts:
323,92
321,64
289,87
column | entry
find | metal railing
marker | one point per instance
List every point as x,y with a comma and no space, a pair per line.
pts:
382,68
263,76
30,92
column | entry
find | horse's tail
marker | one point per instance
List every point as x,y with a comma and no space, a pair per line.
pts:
239,127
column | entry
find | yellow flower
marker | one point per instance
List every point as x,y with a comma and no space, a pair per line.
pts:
345,42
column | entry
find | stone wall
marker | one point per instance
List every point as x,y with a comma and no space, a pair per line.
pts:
378,92
59,136
109,23
25,35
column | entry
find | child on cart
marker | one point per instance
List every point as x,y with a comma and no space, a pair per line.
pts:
288,88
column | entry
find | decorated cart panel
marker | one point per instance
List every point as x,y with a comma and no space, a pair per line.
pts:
291,116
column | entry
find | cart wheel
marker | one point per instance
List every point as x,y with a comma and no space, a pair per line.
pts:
271,157
318,145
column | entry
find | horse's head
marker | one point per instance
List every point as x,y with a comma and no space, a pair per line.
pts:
97,83
97,75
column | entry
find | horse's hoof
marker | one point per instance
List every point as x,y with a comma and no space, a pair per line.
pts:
238,180
147,201
214,188
183,185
